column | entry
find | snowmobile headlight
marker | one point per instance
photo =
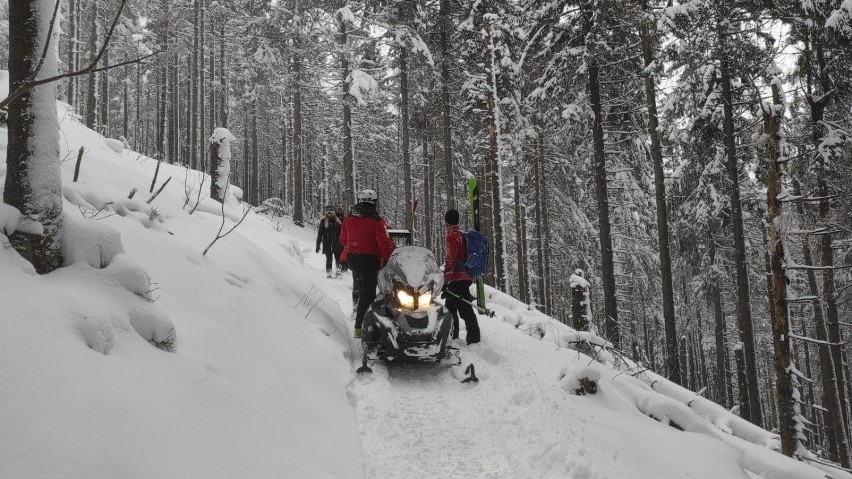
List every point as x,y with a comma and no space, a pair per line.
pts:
424,300
405,300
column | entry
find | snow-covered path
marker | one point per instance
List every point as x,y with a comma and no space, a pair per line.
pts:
418,421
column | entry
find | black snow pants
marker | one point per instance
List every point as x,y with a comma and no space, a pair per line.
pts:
365,279
328,259
459,307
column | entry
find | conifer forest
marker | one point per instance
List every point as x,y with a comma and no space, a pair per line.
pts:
691,159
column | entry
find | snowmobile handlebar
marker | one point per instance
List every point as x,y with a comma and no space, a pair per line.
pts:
484,311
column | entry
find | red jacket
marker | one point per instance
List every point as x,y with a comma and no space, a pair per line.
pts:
456,253
366,235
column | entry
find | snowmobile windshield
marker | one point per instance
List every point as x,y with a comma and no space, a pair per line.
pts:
414,267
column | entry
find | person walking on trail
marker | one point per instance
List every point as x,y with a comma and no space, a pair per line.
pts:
341,216
457,281
366,248
328,235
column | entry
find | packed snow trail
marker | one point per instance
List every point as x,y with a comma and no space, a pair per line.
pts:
417,420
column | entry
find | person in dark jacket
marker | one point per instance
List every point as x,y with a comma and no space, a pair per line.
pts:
366,248
457,281
338,211
328,235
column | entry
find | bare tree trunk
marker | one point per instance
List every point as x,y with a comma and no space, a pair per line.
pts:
446,115
403,112
494,162
246,159
348,164
611,325
193,86
163,126
722,373
298,180
92,93
125,107
33,182
546,239
104,127
788,408
73,44
539,166
255,170
519,244
202,94
751,408
660,196
137,126
223,79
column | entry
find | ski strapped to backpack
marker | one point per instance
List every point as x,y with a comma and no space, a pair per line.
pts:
476,257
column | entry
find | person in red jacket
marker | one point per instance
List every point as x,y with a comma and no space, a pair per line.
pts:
457,281
366,248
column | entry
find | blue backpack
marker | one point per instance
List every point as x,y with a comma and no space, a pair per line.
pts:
476,261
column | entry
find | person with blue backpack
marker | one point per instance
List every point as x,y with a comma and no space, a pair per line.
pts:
457,280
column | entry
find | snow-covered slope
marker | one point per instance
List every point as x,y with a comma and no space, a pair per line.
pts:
261,381
257,384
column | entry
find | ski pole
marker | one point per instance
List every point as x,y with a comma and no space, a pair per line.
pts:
484,311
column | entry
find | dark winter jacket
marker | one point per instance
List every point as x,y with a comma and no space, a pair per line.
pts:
327,236
365,232
455,256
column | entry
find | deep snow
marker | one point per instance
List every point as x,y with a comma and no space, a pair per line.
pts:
262,382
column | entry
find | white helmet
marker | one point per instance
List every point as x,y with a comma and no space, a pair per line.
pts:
368,196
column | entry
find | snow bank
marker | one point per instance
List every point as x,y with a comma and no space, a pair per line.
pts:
256,385
652,395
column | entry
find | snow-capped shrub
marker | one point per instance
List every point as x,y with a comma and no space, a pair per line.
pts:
97,333
114,145
513,318
88,241
580,380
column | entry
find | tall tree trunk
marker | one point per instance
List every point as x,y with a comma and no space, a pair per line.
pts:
33,182
788,408
202,92
404,120
73,43
611,326
255,170
92,93
298,180
125,107
494,166
214,92
722,373
246,158
104,127
546,238
163,147
660,196
446,116
193,86
348,164
519,244
137,125
539,234
751,407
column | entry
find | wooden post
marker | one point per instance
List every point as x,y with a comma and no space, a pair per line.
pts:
77,166
580,301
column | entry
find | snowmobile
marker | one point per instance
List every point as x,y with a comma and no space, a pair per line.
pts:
406,323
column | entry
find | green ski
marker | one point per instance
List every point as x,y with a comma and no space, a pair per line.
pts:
473,207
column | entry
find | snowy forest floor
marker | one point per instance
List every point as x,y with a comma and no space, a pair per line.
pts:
262,381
